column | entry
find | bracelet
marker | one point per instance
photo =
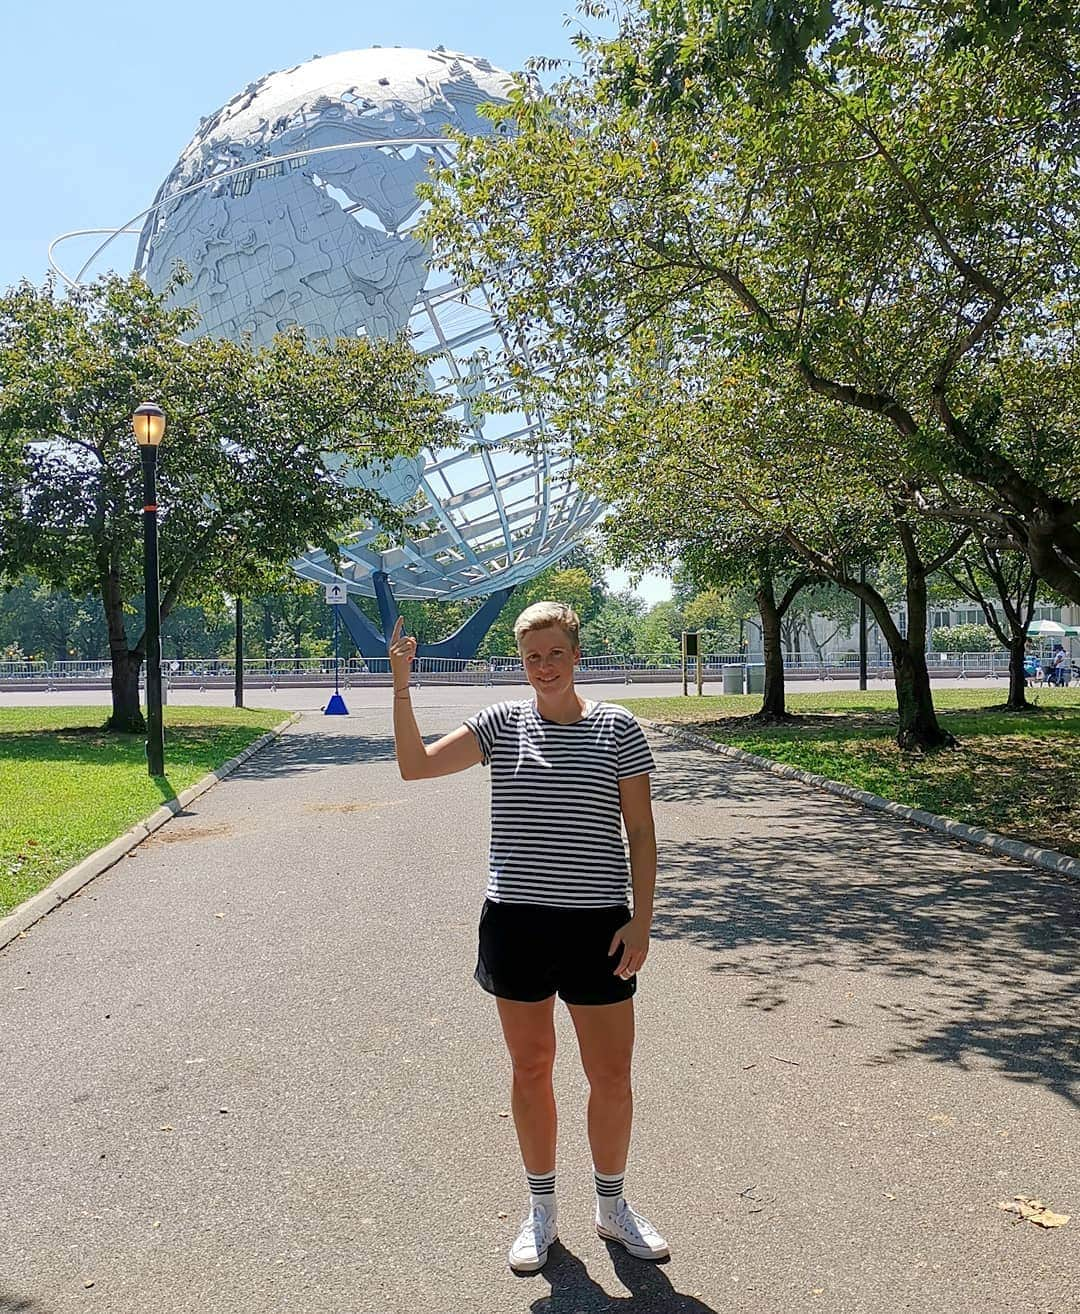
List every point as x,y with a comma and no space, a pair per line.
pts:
403,694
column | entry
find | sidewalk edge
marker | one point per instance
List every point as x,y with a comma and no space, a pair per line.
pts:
988,840
21,918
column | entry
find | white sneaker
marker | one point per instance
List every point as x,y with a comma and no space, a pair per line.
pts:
530,1251
633,1233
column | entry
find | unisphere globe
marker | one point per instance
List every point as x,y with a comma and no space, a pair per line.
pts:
295,204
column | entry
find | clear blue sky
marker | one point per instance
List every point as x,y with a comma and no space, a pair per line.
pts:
99,100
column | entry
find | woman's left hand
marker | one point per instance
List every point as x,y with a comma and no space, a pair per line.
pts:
634,938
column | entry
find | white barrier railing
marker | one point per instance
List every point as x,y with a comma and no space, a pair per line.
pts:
618,666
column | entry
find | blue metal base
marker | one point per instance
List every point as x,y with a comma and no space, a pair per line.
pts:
462,644
336,706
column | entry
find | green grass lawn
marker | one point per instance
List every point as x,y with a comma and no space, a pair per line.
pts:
1015,773
67,788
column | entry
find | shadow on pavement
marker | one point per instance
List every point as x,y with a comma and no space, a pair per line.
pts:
297,752
988,949
573,1291
13,1304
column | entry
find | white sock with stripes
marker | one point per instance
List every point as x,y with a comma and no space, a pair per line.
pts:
609,1191
542,1189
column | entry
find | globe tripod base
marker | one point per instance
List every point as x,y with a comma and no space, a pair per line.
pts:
459,646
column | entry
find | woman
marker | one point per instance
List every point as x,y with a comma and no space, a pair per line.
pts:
566,775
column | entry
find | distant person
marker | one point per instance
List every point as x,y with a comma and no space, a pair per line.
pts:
566,775
1061,670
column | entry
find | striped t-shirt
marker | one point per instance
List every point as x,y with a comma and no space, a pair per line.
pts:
556,824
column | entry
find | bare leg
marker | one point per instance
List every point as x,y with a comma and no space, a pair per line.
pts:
605,1035
529,1031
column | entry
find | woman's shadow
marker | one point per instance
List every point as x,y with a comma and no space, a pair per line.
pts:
573,1291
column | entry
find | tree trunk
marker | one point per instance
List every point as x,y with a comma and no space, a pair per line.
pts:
773,706
919,726
1017,681
127,717
773,703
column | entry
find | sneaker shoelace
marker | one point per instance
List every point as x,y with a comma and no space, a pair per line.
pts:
628,1220
536,1224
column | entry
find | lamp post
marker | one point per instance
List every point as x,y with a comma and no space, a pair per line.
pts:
238,683
149,425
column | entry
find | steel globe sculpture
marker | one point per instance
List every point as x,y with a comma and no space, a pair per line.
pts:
295,204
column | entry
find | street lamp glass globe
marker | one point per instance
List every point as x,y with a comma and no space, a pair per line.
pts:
149,424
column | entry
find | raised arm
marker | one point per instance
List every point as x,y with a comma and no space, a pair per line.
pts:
417,760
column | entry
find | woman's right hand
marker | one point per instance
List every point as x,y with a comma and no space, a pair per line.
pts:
401,651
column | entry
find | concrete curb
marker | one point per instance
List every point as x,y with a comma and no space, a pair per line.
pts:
1047,859
72,880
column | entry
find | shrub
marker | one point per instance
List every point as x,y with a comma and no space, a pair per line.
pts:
964,638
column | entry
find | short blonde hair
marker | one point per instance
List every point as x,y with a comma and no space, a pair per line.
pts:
542,615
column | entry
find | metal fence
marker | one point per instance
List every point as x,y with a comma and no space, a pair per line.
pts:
618,667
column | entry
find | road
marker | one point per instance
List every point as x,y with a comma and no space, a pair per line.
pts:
246,1070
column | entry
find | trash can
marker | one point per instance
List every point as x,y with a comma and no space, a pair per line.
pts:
733,679
755,678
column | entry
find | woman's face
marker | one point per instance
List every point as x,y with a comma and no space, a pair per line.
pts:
549,659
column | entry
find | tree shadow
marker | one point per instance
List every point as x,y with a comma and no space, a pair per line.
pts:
298,752
10,1303
988,948
859,723
573,1291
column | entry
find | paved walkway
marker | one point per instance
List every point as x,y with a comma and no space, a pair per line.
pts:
247,1071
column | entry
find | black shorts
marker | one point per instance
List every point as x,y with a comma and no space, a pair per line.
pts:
529,952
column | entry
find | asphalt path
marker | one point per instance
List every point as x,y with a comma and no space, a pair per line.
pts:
247,1069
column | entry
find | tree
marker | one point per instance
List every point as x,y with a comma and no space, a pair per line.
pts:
875,195
660,632
196,631
574,223
242,486
760,481
50,625
1005,587
836,606
614,630
578,585
908,168
667,509
759,567
717,614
